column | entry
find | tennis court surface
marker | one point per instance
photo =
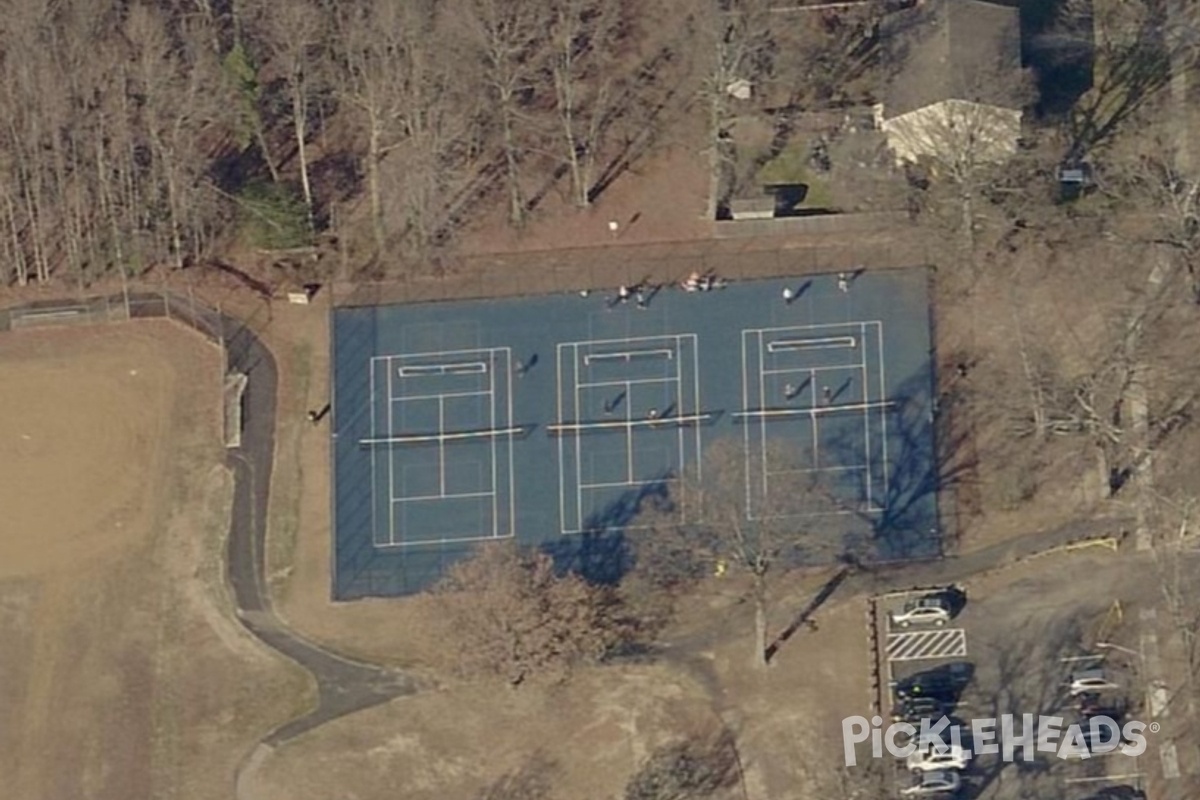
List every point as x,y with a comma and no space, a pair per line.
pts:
554,419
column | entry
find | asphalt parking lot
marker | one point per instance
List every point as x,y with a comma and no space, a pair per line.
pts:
1010,648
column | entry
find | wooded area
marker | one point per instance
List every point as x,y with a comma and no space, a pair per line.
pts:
157,133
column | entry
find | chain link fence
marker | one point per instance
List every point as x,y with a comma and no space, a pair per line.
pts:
600,268
102,309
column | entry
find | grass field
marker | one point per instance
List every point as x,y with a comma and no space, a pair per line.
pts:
123,672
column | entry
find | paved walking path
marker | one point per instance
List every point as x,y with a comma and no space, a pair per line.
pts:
344,685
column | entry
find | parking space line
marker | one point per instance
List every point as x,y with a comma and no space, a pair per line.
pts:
919,645
1128,776
1170,761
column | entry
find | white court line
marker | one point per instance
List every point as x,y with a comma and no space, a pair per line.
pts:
628,432
619,484
681,407
859,327
840,512
866,396
394,397
587,384
883,393
443,496
673,354
815,326
802,470
830,342
812,418
391,461
473,351
374,458
762,395
512,471
492,420
408,397
441,438
429,370
794,370
442,444
440,541
814,411
562,473
578,440
626,357
745,404
629,339
645,422
696,399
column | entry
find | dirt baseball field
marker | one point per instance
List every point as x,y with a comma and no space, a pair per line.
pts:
123,672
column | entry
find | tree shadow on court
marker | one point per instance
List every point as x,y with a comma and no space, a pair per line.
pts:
600,554
921,461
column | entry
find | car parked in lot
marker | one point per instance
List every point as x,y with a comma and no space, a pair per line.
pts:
1090,681
1098,741
915,709
945,682
934,754
1118,793
1095,704
930,609
937,782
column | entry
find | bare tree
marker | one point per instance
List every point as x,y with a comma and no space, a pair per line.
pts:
825,57
964,142
733,41
294,35
175,83
741,525
1135,47
507,41
373,46
511,615
530,781
699,766
583,36
446,157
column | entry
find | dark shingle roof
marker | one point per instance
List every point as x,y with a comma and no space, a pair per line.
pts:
952,49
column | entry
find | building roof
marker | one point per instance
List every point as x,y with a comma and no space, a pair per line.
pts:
952,49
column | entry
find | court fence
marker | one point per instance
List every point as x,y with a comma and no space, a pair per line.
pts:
223,332
121,307
606,268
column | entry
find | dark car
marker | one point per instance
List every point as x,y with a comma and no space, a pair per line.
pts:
1092,741
1118,793
945,683
1097,705
915,709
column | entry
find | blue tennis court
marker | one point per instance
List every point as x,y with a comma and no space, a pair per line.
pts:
556,419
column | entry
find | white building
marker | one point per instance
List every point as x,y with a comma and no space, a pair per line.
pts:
957,86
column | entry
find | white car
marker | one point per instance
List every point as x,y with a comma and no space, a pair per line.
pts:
1092,680
931,610
929,783
932,755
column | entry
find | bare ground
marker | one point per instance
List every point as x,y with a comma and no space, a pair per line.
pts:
588,737
125,675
